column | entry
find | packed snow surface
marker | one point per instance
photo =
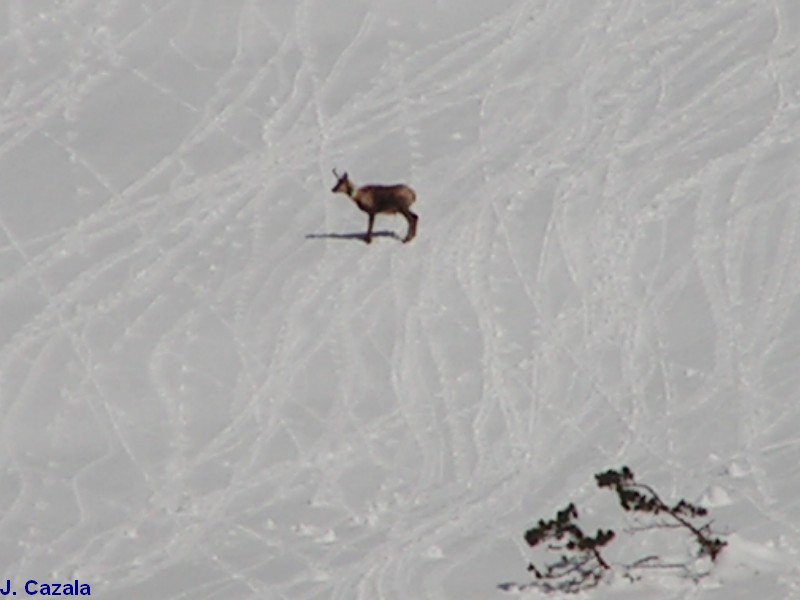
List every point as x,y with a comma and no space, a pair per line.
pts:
211,388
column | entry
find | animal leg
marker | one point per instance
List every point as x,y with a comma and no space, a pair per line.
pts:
412,225
368,237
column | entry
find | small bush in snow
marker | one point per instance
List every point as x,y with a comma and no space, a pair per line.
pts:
580,565
639,497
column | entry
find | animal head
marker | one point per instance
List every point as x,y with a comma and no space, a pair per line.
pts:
343,183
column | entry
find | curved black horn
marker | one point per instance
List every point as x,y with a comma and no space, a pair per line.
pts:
335,174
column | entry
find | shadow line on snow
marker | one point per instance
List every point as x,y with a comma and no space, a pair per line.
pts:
350,236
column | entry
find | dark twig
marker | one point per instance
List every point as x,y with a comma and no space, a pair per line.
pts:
581,565
640,497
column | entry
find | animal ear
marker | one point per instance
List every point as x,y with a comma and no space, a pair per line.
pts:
345,175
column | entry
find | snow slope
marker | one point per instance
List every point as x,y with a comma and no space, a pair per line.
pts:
211,388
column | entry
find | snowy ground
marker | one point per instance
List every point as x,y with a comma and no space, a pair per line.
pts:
211,389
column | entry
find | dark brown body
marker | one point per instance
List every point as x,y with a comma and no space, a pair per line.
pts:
381,199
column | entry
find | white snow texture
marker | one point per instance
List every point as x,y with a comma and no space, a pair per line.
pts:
212,388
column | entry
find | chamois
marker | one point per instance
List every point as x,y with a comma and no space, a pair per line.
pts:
380,199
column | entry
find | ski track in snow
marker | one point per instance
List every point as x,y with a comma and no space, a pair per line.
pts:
209,389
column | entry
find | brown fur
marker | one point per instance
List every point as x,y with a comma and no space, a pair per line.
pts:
380,199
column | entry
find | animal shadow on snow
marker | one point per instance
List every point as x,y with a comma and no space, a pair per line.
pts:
351,236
